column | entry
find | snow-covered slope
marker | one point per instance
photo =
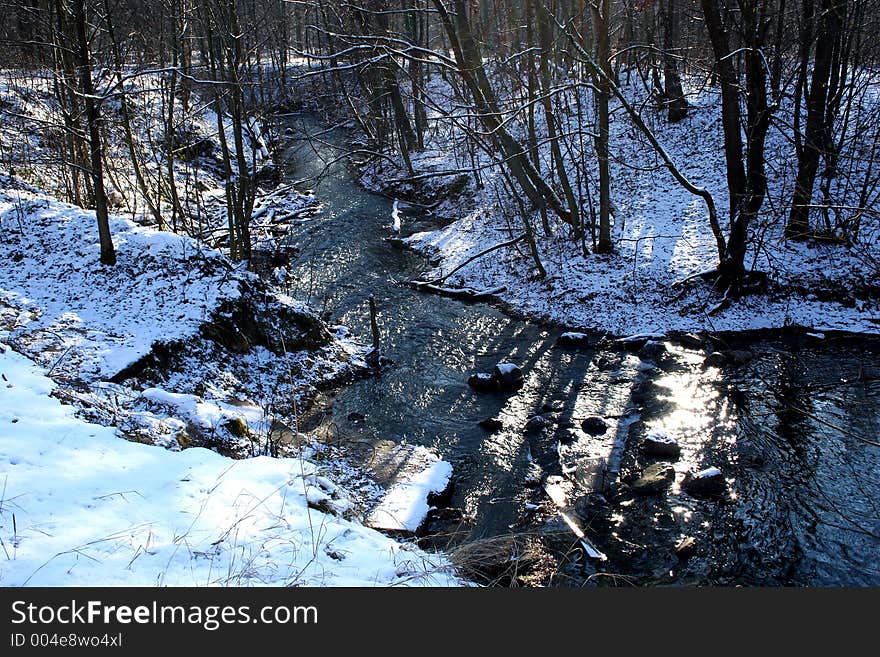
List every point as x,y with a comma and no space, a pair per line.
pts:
661,232
79,506
100,318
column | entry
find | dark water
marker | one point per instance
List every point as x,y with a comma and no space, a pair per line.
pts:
787,428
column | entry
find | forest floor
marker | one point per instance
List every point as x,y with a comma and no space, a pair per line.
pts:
660,232
149,420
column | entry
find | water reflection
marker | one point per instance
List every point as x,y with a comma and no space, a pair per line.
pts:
801,506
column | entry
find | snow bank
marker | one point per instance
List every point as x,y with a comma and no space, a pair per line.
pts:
405,505
99,319
81,507
661,236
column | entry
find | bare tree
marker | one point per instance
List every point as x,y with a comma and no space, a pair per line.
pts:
828,78
93,119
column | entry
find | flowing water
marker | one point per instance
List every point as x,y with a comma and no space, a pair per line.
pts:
790,426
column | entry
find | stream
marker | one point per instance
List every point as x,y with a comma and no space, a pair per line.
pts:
788,419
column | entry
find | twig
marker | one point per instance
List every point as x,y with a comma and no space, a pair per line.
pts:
502,245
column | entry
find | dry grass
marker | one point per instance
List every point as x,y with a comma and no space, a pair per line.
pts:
500,560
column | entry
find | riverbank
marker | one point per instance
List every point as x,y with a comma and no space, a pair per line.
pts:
183,378
660,233
83,508
725,398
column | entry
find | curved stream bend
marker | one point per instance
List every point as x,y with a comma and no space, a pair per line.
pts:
784,427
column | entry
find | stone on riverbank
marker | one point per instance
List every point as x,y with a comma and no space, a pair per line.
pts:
575,340
595,426
655,479
483,382
509,376
662,445
491,424
536,423
705,483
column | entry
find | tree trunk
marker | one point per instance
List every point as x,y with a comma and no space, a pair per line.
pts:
471,69
676,104
126,122
602,96
730,112
747,180
817,135
93,116
545,40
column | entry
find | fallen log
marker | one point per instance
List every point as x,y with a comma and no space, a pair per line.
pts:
463,293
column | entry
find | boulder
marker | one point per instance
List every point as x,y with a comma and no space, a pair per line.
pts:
483,382
491,424
536,423
633,343
574,340
653,350
505,376
508,375
735,357
595,426
688,340
662,445
705,483
655,479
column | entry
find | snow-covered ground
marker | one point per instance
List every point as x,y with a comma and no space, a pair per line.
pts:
33,139
79,506
117,487
405,506
100,319
661,233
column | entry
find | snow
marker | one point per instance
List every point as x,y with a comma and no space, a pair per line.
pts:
405,506
662,437
100,319
81,507
707,473
31,132
207,415
395,217
506,369
660,231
